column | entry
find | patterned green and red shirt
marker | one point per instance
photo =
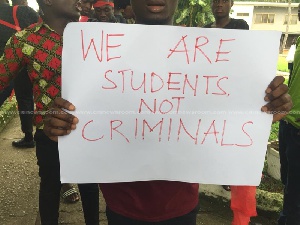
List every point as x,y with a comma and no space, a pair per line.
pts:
40,49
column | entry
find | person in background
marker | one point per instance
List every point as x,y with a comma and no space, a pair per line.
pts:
104,12
86,10
118,11
39,48
221,10
6,32
153,202
13,19
24,96
23,87
289,149
128,13
290,58
243,198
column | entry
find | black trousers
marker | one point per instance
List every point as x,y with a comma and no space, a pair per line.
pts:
117,219
50,185
24,96
289,150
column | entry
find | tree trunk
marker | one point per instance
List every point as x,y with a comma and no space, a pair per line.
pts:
283,44
191,15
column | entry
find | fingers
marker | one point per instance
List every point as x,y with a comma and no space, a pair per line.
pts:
276,92
59,114
63,104
53,132
278,80
57,122
281,104
279,101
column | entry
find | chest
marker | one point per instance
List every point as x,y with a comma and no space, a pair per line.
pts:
43,54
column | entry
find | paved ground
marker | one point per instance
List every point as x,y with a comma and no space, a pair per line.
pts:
19,191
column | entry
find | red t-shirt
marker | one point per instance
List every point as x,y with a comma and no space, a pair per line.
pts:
151,201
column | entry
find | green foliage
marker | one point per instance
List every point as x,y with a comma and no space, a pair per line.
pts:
282,1
270,184
274,132
193,13
7,112
197,13
282,64
265,169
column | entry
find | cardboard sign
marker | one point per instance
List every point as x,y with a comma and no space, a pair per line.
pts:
166,103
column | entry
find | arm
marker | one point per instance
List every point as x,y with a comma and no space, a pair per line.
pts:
11,61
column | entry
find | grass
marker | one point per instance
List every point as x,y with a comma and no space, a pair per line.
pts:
270,184
282,64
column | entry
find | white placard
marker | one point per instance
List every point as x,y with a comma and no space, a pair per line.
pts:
166,103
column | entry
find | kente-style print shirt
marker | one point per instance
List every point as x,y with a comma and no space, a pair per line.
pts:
40,49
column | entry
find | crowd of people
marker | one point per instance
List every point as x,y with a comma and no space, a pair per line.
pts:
106,11
31,49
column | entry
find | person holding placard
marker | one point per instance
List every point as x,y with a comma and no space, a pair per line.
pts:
39,48
152,202
243,198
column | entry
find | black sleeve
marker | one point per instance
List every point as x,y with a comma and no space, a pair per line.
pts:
26,16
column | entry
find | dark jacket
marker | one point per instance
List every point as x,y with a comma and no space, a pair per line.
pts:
26,16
